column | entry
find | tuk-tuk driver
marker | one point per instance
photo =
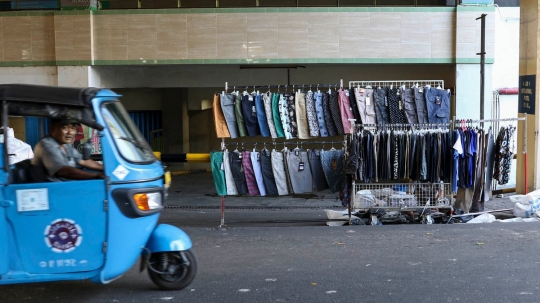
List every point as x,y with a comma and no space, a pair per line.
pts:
56,159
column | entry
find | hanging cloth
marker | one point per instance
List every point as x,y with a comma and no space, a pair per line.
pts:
329,122
420,102
276,116
251,182
395,107
381,105
239,116
409,105
267,101
332,163
227,107
267,173
256,164
336,112
312,115
261,116
490,159
278,170
237,169
284,114
216,160
321,120
354,106
301,115
299,171
222,131
250,115
317,172
345,110
291,110
229,179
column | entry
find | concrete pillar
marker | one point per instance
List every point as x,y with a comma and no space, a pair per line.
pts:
528,65
172,115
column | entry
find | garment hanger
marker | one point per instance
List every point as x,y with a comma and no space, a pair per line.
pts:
245,93
310,89
333,148
236,149
255,147
318,90
264,147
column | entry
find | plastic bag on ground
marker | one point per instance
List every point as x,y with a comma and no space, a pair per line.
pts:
485,218
526,205
519,220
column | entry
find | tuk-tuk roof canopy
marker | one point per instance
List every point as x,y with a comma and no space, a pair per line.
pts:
71,96
51,102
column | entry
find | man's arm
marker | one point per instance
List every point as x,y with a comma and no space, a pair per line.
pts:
90,164
73,173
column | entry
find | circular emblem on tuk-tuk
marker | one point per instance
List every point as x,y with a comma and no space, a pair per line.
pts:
63,235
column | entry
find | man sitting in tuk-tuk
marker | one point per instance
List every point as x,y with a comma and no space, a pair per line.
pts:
55,158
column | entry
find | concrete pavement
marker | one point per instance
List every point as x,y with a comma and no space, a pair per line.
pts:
197,190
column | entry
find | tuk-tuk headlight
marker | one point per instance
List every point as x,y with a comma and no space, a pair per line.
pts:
148,201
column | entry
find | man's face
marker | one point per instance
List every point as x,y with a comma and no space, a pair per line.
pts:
64,133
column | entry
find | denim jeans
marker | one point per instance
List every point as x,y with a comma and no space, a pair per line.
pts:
381,103
320,114
438,105
227,106
421,108
261,116
409,105
333,162
250,115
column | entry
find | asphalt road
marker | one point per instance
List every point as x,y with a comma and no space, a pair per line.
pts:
257,262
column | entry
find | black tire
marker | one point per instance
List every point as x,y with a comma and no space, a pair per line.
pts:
178,275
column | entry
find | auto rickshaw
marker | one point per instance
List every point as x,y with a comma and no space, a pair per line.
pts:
92,229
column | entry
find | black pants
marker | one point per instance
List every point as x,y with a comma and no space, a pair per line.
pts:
238,173
268,174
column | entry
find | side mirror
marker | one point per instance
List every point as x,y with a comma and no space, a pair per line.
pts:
86,150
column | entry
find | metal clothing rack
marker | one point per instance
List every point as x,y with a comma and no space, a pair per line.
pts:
496,125
336,85
397,83
273,142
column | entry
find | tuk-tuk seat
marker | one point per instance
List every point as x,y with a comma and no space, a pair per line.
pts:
22,172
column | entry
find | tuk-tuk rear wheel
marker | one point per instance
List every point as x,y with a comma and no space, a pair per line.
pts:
172,270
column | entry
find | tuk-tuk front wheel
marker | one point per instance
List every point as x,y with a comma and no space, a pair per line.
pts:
172,270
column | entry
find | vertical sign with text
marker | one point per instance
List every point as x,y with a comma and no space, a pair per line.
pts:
527,93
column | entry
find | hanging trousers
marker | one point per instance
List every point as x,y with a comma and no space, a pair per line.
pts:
329,122
409,105
216,160
267,173
291,110
332,163
300,178
354,106
320,114
317,173
261,116
229,179
284,115
251,182
490,159
336,112
381,105
346,110
239,116
227,106
276,116
222,131
267,100
420,102
278,169
256,164
301,115
312,114
235,159
250,115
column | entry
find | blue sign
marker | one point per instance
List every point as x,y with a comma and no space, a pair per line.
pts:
527,94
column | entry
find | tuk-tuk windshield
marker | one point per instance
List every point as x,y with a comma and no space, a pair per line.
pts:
127,137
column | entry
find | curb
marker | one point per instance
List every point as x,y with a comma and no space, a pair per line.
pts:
185,172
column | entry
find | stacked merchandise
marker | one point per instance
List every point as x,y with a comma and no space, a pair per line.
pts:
276,172
307,114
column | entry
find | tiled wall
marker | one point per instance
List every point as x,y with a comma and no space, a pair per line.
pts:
319,35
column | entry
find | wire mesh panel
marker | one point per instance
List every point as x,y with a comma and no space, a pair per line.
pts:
402,195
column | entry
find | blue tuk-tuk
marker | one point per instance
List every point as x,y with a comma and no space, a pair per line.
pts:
93,229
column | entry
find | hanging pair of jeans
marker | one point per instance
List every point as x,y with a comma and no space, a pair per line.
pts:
421,108
438,105
261,116
319,109
409,105
317,172
381,103
332,163
227,107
